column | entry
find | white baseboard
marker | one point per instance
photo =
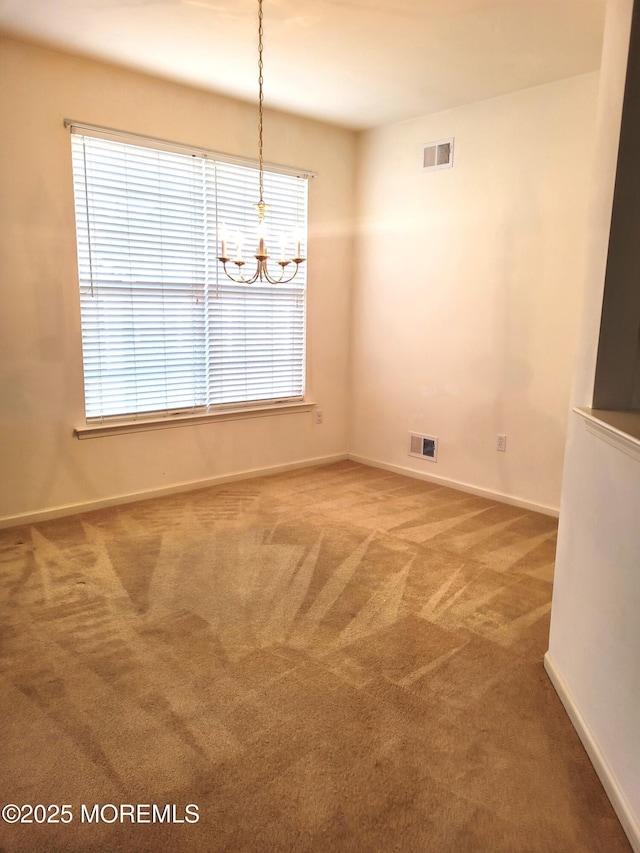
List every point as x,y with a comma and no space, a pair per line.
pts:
455,484
600,764
87,506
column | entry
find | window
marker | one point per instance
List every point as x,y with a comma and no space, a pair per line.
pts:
163,329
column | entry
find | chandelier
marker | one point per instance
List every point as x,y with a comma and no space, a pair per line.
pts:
261,272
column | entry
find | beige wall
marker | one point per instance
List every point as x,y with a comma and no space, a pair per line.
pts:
594,645
465,306
42,466
469,287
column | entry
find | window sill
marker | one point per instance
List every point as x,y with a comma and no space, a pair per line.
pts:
119,427
619,428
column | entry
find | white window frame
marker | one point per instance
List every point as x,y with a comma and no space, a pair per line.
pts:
266,357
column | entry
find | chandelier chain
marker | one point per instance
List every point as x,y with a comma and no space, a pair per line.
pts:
260,102
261,272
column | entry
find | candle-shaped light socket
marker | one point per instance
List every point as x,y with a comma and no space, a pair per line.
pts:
298,242
262,237
238,246
224,236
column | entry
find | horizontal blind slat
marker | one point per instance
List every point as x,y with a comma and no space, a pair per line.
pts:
163,329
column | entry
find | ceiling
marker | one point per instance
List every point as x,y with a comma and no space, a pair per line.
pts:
357,63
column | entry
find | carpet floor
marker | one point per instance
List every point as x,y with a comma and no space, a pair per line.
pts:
331,659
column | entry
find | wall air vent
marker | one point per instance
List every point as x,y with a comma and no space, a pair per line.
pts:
424,446
437,155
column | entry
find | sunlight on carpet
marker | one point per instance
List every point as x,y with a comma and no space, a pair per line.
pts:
336,658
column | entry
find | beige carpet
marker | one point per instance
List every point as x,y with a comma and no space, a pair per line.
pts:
331,659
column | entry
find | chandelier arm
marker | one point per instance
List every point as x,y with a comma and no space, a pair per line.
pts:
261,272
240,279
272,280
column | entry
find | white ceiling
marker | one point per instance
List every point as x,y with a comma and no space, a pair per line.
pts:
358,63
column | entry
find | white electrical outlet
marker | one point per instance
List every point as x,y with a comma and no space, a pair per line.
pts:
501,443
318,416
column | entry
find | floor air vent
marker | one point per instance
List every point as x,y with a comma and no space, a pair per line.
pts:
424,446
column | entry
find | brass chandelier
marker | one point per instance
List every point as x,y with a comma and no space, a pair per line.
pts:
261,272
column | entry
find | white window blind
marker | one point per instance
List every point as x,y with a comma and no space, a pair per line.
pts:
163,329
